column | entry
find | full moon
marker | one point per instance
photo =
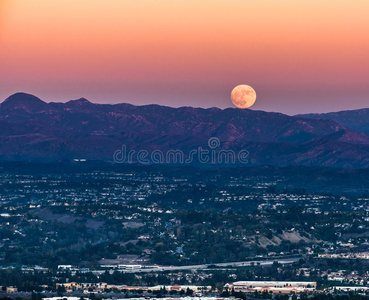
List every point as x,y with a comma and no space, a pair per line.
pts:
243,96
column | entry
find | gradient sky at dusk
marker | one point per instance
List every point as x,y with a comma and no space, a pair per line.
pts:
299,55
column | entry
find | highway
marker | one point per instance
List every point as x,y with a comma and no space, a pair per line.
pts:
283,261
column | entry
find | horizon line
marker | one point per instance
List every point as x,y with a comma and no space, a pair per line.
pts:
178,107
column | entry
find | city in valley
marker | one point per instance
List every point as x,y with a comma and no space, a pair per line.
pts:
104,231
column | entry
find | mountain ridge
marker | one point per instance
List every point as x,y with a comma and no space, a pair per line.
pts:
357,119
34,130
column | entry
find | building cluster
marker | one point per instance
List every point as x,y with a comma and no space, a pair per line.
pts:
103,286
9,289
275,287
143,298
348,255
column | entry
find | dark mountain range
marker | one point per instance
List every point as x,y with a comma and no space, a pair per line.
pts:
357,120
33,130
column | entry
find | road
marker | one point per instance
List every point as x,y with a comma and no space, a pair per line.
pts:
283,261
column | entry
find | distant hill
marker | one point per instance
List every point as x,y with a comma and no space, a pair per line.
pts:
33,130
357,120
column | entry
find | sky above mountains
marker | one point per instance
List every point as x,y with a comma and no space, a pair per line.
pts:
300,56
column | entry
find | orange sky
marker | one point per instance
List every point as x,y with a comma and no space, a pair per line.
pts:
299,55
